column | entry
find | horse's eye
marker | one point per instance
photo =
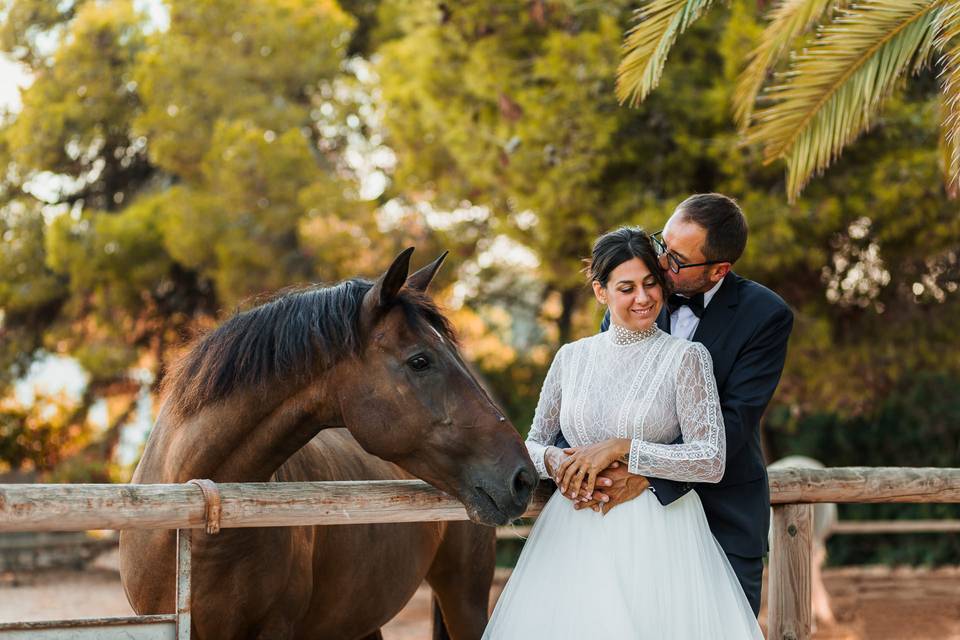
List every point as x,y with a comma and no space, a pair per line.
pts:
418,363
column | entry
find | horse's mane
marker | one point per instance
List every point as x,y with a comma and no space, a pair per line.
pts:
297,335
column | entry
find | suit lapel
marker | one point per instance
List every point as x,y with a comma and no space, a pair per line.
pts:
718,316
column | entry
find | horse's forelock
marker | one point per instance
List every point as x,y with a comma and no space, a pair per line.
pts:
422,314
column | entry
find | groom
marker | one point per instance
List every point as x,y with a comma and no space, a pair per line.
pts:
745,326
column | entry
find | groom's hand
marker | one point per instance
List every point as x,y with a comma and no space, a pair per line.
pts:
623,486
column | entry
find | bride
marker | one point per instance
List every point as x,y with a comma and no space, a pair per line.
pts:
641,570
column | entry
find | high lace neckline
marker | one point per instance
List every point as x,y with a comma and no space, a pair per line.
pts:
623,336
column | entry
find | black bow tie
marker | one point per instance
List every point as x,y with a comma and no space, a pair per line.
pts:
675,301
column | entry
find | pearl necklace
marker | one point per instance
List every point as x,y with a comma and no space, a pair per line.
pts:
624,336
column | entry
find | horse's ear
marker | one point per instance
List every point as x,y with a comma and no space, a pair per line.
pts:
385,289
422,278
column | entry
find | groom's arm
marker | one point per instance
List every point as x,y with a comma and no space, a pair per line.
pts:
668,491
753,379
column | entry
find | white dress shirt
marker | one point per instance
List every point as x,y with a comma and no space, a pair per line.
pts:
684,322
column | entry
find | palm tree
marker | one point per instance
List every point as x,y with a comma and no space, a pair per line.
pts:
835,84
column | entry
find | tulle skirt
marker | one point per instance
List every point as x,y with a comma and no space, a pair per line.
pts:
641,571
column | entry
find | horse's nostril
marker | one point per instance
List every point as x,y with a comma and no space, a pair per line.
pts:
523,483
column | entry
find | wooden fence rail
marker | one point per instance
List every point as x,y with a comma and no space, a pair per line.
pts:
55,507
51,507
37,507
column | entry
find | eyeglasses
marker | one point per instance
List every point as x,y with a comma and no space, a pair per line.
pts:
672,261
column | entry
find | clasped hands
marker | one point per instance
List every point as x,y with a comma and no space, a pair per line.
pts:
593,476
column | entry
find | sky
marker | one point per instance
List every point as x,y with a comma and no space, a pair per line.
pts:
12,76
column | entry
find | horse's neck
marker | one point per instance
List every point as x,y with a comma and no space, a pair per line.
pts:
244,438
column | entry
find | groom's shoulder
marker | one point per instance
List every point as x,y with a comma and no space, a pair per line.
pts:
760,299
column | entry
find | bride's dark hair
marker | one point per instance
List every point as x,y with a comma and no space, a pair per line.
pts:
616,247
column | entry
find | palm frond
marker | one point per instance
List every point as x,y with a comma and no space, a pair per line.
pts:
647,44
788,20
948,42
946,150
836,86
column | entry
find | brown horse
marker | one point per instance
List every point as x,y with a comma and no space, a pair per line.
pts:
258,400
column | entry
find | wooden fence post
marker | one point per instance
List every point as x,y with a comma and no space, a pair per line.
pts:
184,580
789,614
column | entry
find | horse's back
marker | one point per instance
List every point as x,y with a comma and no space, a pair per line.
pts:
333,454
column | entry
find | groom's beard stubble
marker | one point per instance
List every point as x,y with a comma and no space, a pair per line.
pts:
690,289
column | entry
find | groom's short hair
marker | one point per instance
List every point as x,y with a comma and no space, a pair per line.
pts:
724,222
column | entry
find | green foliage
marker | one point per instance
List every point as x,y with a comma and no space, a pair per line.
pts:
39,437
836,88
513,110
256,63
158,174
78,110
826,68
155,176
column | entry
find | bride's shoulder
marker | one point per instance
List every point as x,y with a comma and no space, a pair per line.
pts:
580,346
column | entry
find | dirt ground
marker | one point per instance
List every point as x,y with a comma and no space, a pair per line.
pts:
871,603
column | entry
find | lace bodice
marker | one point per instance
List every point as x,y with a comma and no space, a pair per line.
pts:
651,390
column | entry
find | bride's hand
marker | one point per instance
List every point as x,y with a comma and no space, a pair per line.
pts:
552,458
580,469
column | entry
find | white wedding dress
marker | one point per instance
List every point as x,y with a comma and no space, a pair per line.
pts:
642,570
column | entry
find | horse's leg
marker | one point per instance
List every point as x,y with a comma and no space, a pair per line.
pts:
461,575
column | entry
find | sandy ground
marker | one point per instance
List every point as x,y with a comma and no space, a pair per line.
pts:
872,603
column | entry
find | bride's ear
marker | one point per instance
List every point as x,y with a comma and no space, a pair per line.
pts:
600,292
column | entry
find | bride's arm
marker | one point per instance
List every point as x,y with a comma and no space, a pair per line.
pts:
546,420
701,457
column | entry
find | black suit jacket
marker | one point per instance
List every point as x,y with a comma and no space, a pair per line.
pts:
745,327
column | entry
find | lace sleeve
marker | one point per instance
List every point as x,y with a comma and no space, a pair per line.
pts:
702,455
546,420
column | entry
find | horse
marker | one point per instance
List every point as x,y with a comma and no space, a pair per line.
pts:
304,388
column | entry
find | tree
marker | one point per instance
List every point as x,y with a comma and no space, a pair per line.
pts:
837,80
158,173
511,107
484,105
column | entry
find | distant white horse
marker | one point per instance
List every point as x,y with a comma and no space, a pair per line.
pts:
824,519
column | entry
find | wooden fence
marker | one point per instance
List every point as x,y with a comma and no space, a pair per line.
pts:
36,507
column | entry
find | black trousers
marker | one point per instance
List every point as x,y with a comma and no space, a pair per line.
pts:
750,573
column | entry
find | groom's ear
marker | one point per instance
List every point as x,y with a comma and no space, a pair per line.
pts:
719,271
